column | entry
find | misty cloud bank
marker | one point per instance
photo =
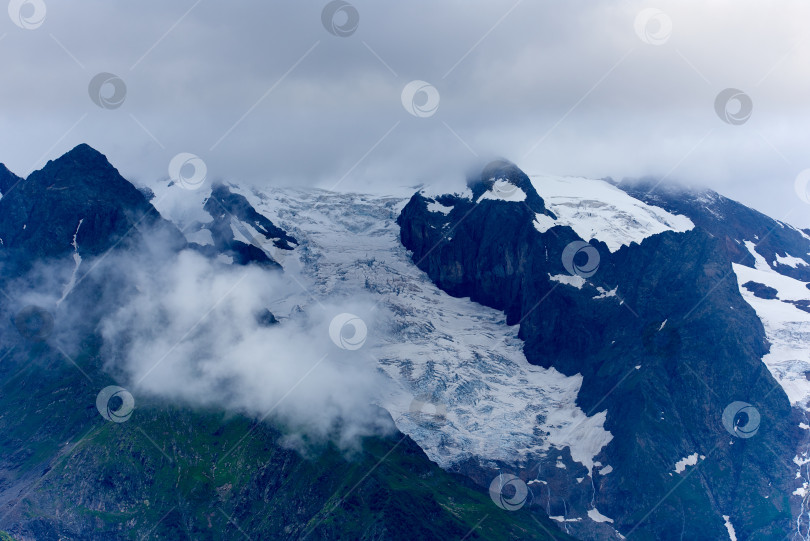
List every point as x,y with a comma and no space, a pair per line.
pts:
558,88
195,332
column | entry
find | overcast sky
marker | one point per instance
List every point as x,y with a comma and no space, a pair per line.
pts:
263,92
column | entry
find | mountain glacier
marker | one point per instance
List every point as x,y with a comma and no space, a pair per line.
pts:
633,354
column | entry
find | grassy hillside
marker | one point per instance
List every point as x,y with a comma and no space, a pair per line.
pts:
174,473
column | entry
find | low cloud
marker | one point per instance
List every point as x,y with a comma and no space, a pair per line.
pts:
189,330
267,95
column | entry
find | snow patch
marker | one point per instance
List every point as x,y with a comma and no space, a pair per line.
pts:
543,222
789,261
563,519
597,209
585,438
596,516
690,460
183,207
202,237
503,190
568,279
604,293
246,233
438,207
786,327
77,260
732,535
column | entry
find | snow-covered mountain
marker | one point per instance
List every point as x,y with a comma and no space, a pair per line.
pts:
635,355
650,314
461,385
459,358
464,388
81,246
598,210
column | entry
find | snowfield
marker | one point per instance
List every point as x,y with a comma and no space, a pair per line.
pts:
595,209
461,386
786,326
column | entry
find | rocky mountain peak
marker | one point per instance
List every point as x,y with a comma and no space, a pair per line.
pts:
7,179
503,180
78,202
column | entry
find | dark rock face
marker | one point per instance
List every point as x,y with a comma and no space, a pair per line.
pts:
731,222
802,304
172,472
8,180
664,356
40,215
228,209
760,290
266,318
509,176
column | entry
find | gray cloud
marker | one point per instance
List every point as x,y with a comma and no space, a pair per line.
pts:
183,329
191,335
562,88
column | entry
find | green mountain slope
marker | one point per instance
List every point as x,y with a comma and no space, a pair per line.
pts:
173,473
